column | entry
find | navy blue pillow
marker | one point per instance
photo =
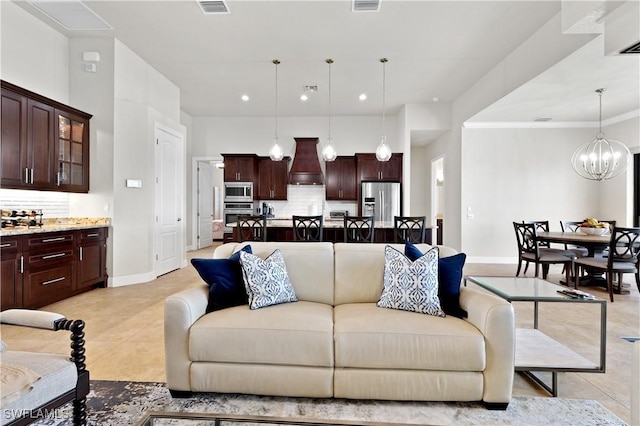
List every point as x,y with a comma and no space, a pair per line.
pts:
449,277
224,277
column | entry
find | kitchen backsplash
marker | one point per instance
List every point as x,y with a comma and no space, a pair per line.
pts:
52,204
309,200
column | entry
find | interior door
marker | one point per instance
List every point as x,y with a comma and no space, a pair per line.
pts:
205,205
169,226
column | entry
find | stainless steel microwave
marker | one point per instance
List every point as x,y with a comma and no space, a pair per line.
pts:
238,191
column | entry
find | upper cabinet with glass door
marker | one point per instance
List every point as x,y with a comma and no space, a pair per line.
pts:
72,147
44,143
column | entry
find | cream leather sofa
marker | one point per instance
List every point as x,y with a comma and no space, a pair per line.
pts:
335,341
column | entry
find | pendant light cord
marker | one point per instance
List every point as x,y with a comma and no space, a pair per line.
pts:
384,91
276,62
329,61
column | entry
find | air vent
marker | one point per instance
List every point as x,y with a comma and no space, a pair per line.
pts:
635,49
213,7
542,119
366,5
71,14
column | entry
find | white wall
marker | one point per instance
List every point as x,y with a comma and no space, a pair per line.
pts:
511,175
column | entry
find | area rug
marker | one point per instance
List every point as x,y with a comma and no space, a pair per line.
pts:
124,403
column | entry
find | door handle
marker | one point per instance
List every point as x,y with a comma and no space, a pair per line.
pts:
179,219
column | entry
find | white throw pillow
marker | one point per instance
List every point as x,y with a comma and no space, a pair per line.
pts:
267,281
411,286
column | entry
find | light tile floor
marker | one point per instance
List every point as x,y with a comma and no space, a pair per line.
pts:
124,333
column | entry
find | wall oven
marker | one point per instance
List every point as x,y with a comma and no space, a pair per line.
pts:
233,210
238,191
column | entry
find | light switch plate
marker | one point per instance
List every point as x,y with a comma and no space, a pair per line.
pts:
134,183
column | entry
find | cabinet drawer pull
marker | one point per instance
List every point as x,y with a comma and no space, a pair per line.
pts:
53,256
51,240
21,264
55,280
92,235
5,245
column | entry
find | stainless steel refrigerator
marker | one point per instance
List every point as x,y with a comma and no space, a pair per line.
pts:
381,199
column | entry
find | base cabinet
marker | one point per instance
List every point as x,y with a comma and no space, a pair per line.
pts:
43,268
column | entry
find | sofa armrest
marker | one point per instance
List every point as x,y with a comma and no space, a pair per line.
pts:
494,317
181,310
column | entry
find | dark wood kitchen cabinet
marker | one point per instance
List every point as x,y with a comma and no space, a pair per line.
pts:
273,178
10,272
92,257
370,169
46,267
240,167
36,152
340,179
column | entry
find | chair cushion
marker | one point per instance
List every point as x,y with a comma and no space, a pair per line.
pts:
224,278
287,334
267,281
58,376
367,336
411,286
602,264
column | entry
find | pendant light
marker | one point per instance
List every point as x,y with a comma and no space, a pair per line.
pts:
601,158
276,153
383,153
329,152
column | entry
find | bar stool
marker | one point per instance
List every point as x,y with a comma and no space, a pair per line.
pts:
359,229
251,228
307,228
409,229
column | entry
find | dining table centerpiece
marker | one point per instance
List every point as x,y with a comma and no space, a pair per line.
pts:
591,226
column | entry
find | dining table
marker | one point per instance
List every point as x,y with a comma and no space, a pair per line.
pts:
595,245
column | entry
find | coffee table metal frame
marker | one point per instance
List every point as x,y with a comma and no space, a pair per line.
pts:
528,341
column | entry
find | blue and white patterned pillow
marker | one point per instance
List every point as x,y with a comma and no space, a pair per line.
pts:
267,281
411,286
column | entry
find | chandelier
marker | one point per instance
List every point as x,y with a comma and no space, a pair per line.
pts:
276,153
383,153
601,158
329,152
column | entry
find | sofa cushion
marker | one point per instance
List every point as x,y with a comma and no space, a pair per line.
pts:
224,278
267,281
287,334
304,260
449,278
411,285
367,336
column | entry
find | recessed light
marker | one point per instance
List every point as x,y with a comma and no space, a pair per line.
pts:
245,98
363,97
435,99
303,97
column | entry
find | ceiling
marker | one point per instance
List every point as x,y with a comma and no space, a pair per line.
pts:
436,49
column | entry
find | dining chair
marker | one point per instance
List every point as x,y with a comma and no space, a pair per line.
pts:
307,228
545,246
572,226
251,228
409,229
623,258
359,229
529,251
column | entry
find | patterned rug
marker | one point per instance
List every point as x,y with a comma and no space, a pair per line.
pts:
124,403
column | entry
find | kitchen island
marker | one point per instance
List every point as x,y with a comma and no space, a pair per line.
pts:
281,229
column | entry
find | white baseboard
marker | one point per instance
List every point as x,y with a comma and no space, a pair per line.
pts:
498,260
131,279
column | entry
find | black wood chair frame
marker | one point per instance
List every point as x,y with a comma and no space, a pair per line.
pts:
409,229
308,228
359,229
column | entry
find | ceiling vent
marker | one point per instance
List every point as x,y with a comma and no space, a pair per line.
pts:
71,14
366,5
542,119
634,49
214,7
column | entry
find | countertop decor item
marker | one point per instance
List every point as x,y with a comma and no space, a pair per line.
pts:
601,158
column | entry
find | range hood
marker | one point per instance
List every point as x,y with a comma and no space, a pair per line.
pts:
305,169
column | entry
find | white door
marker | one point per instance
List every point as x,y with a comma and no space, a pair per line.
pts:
169,226
205,205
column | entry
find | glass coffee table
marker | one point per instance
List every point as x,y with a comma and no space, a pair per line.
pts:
535,351
164,418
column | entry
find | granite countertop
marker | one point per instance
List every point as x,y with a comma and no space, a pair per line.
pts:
58,224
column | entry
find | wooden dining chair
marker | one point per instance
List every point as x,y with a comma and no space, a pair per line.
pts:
545,246
359,229
572,226
409,229
623,258
307,228
251,228
529,251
